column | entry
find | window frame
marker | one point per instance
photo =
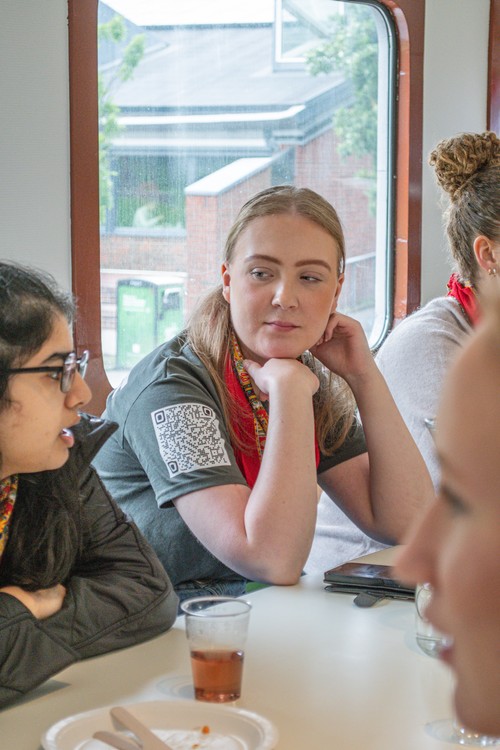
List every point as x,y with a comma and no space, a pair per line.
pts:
408,16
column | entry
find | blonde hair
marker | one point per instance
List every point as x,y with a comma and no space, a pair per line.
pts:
210,325
467,168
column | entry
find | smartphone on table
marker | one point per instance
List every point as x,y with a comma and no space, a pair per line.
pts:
371,582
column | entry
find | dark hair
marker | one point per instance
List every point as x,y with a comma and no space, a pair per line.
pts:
45,533
467,167
31,300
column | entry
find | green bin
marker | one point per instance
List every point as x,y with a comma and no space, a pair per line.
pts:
148,313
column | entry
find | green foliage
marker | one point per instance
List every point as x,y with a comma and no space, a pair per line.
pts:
132,57
113,31
353,50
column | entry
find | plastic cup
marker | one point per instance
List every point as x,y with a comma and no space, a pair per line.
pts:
430,640
216,629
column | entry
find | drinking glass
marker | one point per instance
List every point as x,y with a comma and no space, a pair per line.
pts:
216,629
431,641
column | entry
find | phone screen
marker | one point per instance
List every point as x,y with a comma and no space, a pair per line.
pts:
359,570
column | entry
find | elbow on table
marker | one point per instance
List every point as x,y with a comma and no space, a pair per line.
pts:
282,575
286,580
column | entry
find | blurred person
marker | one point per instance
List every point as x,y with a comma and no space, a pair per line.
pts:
456,546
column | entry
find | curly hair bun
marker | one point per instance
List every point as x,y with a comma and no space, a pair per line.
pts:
457,159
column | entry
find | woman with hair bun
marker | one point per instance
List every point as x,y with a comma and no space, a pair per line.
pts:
419,351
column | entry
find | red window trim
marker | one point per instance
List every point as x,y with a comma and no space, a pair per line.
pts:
493,107
84,182
409,16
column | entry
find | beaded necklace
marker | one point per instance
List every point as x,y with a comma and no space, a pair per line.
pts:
8,492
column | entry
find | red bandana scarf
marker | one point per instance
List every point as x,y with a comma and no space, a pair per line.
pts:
466,298
8,492
252,416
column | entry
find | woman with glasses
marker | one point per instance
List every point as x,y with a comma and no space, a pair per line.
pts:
76,578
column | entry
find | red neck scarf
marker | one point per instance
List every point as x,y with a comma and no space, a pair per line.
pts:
252,416
466,298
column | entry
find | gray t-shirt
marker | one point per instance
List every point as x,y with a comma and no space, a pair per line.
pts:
172,440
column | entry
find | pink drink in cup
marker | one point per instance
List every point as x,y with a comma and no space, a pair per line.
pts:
216,628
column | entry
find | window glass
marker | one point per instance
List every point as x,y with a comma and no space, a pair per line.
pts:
203,104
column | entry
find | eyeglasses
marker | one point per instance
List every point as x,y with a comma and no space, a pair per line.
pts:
71,365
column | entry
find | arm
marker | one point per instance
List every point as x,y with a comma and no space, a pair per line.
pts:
42,603
266,533
118,595
381,491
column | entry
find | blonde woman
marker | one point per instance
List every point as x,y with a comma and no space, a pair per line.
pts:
225,432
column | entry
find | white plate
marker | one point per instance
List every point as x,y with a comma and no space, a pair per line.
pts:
178,722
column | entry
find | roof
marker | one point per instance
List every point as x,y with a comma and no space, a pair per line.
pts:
189,74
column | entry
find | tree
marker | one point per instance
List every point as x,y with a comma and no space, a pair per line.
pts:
353,50
113,31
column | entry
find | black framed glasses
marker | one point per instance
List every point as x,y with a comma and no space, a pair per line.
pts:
71,365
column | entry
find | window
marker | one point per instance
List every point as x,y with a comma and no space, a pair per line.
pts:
195,115
212,112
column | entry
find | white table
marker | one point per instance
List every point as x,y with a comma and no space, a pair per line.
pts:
329,675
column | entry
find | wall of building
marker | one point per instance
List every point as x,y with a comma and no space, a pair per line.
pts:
34,124
455,95
34,135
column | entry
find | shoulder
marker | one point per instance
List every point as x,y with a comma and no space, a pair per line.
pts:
170,374
164,399
439,324
173,360
442,314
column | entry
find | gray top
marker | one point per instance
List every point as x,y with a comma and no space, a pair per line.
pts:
413,360
172,440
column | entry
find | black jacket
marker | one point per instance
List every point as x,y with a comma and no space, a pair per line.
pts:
118,593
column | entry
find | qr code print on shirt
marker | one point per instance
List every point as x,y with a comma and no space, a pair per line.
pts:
189,438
